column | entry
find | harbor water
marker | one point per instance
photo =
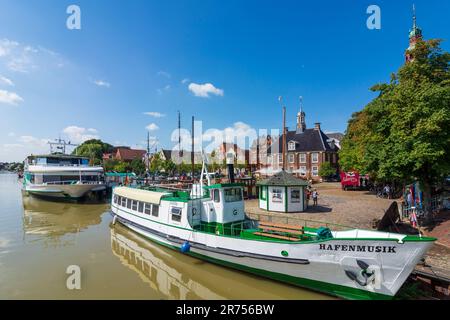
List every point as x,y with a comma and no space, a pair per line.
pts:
40,239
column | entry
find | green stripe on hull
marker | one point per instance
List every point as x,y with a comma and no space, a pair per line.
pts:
323,287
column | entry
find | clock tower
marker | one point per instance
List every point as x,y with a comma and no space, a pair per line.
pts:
414,35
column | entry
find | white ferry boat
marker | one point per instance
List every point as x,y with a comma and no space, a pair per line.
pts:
209,223
58,175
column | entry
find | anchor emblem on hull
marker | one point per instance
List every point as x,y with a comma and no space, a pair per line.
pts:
367,276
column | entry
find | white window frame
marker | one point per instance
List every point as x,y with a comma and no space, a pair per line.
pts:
295,200
291,146
277,191
302,158
303,171
317,157
315,172
280,158
291,158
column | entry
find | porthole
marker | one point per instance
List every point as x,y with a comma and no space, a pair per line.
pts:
284,253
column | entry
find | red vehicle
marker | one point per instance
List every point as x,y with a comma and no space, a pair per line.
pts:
354,181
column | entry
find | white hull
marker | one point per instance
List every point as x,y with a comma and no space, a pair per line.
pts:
63,191
310,264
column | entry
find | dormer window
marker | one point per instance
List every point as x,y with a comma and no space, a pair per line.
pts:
291,146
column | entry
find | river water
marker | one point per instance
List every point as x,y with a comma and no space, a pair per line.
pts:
39,240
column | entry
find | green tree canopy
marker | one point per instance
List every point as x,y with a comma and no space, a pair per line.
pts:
326,170
137,166
403,134
93,149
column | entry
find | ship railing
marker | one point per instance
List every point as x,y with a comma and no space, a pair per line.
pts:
300,222
60,165
72,182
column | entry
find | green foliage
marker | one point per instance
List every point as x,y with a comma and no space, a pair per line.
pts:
169,167
93,149
326,170
137,166
156,163
121,167
403,134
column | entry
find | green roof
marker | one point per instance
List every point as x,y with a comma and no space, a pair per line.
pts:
283,178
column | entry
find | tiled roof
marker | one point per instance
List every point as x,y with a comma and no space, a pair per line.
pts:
309,140
283,178
130,154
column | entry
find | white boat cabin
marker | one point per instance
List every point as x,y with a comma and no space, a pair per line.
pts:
220,210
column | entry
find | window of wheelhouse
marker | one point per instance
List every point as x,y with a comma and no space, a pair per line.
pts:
233,195
176,214
129,203
141,207
216,195
134,205
124,202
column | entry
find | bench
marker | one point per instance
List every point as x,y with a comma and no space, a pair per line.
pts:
271,235
281,227
282,230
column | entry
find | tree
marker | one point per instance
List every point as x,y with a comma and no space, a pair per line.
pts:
137,166
156,163
403,134
93,149
326,170
121,167
169,166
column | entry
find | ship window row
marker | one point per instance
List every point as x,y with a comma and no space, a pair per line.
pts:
138,206
39,178
59,161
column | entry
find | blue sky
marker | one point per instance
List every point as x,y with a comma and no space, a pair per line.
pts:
131,57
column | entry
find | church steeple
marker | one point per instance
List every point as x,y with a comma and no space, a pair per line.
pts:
301,118
414,35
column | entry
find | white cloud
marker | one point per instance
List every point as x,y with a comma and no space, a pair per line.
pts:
152,127
80,135
165,89
7,81
6,46
102,83
25,58
155,114
185,80
164,74
33,141
10,97
204,90
240,133
11,134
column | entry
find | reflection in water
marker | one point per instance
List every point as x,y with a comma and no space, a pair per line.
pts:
40,239
50,221
178,276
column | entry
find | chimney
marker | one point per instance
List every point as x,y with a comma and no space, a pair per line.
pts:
317,126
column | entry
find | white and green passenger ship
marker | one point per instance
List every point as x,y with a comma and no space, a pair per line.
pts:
209,223
61,176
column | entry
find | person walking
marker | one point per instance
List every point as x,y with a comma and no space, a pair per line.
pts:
315,196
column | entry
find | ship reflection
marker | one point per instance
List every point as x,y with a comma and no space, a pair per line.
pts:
50,221
180,277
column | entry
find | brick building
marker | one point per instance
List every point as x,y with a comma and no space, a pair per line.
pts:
306,150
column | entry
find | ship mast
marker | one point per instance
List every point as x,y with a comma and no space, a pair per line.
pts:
60,144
